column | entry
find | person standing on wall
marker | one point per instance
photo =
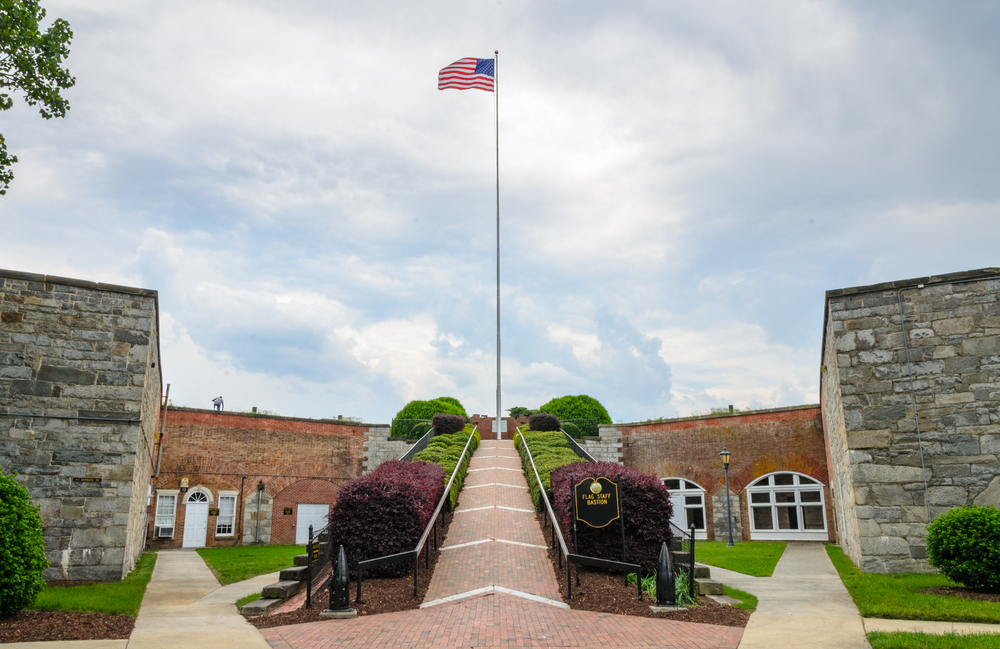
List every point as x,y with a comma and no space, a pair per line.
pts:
218,402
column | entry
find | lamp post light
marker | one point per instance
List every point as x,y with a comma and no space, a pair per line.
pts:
729,512
260,493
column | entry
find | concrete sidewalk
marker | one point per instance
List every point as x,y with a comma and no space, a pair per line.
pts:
185,606
804,603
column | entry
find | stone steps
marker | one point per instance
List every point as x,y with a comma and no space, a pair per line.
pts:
290,582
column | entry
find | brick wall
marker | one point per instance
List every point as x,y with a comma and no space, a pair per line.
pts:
951,326
298,460
761,442
79,390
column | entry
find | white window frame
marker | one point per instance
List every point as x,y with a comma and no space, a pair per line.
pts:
219,520
765,485
691,489
159,519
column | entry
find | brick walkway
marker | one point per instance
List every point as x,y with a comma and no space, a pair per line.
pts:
497,546
498,620
496,517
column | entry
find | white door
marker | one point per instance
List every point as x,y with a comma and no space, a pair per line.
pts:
196,521
314,515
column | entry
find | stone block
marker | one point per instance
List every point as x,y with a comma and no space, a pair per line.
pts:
879,514
948,496
990,495
954,326
985,346
868,438
891,495
98,537
989,444
884,546
69,375
259,607
950,471
869,527
86,556
875,357
77,456
884,473
953,398
905,530
31,388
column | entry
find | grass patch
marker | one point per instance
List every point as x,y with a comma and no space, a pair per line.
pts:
234,564
757,558
899,640
114,598
748,602
241,602
897,596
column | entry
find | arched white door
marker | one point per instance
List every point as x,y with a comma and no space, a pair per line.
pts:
688,499
196,520
787,506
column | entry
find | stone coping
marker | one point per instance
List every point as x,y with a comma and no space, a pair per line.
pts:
81,283
257,415
723,415
904,283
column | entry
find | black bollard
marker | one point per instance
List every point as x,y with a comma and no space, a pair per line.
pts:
340,588
665,588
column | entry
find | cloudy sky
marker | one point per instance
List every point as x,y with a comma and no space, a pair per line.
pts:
680,183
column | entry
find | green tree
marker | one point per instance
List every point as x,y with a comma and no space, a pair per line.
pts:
22,548
31,62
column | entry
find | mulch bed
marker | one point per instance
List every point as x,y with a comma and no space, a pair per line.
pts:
44,626
964,593
379,595
606,592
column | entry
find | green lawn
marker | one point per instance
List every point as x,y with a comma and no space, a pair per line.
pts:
116,598
748,602
234,564
897,596
898,640
757,558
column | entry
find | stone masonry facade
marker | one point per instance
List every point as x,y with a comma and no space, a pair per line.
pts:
910,437
79,394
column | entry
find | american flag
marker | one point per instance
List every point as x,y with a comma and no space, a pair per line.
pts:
466,74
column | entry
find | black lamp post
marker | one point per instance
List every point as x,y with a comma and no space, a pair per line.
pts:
260,494
729,512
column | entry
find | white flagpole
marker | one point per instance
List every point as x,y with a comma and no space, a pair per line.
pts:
496,110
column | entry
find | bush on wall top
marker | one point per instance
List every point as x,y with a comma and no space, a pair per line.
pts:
577,407
22,548
386,511
549,450
403,422
543,421
964,543
645,504
445,450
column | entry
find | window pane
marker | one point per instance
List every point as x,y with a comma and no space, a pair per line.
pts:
696,517
762,519
692,500
672,484
760,497
784,496
227,509
809,496
783,479
198,497
788,518
805,480
813,517
165,505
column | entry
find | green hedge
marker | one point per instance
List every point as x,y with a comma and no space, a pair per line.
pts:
444,450
577,407
405,421
550,451
22,548
965,544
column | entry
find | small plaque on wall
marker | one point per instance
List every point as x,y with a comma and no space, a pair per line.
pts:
213,511
288,511
97,480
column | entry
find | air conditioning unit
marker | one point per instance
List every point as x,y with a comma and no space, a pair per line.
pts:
164,532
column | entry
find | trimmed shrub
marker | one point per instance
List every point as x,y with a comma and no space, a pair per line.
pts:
519,411
22,548
550,450
448,424
572,430
420,429
385,512
444,450
403,423
543,422
645,505
578,407
964,543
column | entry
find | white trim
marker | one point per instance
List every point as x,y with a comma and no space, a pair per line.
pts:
464,545
510,509
495,484
526,545
700,533
493,468
762,485
495,589
198,489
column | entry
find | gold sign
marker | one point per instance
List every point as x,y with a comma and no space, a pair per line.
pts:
287,511
596,501
213,511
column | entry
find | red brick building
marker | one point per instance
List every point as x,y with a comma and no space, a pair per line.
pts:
225,478
778,474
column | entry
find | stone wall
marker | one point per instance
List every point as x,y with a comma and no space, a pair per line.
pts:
79,391
608,445
911,457
379,448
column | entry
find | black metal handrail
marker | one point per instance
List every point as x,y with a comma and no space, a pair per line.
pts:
578,559
689,537
318,557
573,444
414,555
418,446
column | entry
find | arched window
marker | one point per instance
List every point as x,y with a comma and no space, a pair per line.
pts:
689,505
787,506
197,497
